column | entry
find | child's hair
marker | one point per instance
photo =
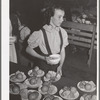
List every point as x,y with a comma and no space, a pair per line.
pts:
49,12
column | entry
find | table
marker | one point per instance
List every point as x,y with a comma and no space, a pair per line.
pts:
64,81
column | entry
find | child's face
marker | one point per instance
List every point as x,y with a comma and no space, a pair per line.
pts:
57,19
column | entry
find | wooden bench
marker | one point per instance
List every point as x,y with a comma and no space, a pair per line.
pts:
82,35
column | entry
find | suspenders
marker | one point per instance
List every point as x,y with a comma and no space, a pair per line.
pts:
47,44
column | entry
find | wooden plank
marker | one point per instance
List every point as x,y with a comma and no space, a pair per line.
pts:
79,33
80,44
79,39
69,24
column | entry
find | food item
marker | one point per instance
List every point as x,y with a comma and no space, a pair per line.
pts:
13,77
87,97
32,81
33,95
47,98
51,89
66,93
94,97
73,90
39,72
71,95
45,88
88,86
24,93
82,84
55,98
19,76
48,75
15,89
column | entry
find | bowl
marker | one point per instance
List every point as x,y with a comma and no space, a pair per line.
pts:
54,59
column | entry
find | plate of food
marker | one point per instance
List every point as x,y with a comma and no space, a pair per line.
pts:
47,89
86,86
36,72
88,97
24,94
69,93
17,77
51,75
14,89
52,97
34,95
33,82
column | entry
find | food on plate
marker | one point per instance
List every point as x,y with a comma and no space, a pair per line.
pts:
82,84
45,88
24,93
36,72
15,89
73,90
52,75
94,97
69,92
88,86
33,95
88,97
19,76
49,97
32,81
36,68
39,72
56,98
66,93
13,77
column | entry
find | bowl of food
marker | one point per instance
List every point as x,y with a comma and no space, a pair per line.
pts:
54,59
47,89
52,76
17,77
86,86
33,82
14,89
52,97
88,97
36,72
34,95
69,93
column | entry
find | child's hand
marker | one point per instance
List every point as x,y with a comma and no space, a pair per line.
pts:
59,70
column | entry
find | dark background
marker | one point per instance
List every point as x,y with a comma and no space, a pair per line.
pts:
30,9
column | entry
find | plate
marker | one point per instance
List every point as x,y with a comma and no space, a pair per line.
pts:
39,97
88,97
52,77
34,85
14,79
54,96
84,90
38,75
49,92
65,97
11,92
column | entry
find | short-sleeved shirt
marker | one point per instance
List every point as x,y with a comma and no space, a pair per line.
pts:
36,39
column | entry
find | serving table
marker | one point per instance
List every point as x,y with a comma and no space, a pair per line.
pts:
64,81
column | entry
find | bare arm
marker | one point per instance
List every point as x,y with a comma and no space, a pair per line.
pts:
33,53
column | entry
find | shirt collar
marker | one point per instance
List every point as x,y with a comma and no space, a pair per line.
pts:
54,27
